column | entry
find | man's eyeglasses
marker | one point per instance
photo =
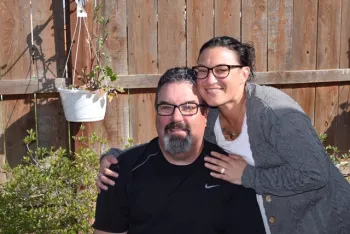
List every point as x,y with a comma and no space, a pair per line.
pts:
186,109
220,71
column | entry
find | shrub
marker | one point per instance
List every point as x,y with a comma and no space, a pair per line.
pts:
51,191
341,160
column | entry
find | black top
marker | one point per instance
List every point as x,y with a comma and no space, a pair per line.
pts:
153,196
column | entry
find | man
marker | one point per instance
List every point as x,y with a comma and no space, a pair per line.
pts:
163,186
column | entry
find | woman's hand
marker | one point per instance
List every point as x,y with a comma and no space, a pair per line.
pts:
102,178
229,168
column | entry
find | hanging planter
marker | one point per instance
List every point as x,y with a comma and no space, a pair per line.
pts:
82,105
87,101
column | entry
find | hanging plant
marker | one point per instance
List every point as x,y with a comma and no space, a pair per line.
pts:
86,101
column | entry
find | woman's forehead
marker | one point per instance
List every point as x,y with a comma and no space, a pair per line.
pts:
217,55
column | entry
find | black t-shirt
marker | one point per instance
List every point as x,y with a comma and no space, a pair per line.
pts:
153,196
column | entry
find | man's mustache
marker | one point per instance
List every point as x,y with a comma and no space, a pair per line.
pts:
179,125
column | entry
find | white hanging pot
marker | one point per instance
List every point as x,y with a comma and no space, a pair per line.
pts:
82,105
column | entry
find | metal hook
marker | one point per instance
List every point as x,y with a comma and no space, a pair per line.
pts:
81,13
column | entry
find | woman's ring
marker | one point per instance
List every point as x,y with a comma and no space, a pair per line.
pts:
222,171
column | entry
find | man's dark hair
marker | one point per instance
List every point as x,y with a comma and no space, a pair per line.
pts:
176,74
245,51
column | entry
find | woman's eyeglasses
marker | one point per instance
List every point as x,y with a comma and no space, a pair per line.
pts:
220,71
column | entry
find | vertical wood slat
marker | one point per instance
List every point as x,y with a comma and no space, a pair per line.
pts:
280,30
3,176
329,19
199,27
19,117
142,36
48,34
115,126
280,40
142,58
48,22
227,18
343,120
52,125
171,34
15,40
142,115
15,63
254,29
304,51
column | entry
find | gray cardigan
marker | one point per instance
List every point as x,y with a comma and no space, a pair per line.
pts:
302,189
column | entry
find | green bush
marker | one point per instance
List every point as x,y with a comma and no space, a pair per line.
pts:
341,160
51,191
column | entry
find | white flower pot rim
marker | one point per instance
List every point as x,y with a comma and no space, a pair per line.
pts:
83,105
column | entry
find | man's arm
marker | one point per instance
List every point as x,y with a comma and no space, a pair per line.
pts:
106,160
305,162
112,213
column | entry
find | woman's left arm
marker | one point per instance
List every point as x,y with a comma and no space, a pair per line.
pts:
305,163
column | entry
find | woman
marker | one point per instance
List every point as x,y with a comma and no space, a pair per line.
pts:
272,145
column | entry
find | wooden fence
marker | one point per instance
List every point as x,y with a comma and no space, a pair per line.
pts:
302,47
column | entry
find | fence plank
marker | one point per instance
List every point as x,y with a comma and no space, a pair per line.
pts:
280,30
304,51
142,115
48,20
328,46
171,34
199,27
116,45
29,86
142,36
228,18
343,119
52,125
266,78
49,43
115,126
15,40
254,29
19,117
3,176
142,41
150,80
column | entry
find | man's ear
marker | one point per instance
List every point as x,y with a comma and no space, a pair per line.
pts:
206,111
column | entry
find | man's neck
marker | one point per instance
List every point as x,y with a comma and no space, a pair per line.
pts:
186,158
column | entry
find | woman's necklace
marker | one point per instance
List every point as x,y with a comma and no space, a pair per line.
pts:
229,132
228,135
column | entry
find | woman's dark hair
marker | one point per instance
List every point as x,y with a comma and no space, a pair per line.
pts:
245,51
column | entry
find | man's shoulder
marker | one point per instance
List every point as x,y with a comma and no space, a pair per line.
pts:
208,147
131,155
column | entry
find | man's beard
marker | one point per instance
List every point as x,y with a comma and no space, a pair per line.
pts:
176,144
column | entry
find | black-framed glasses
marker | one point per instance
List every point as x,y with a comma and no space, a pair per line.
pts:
186,109
220,71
